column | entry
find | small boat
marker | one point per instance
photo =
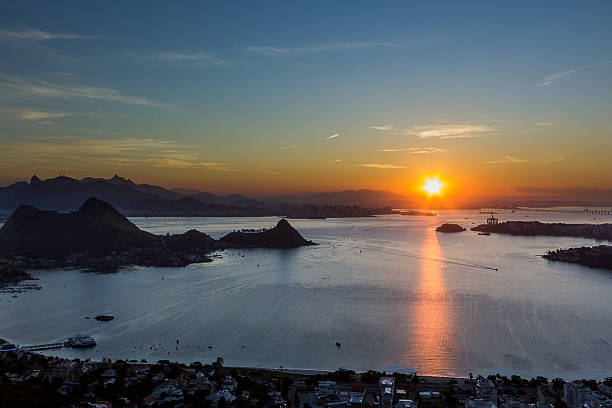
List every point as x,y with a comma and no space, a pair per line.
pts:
484,233
80,340
338,344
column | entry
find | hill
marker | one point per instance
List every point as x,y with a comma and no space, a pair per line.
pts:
283,235
96,227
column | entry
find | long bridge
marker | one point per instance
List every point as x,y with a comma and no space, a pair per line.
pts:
586,211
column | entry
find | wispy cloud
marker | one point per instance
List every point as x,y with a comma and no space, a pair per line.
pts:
380,166
505,160
335,135
76,152
554,78
543,124
32,115
515,160
19,87
32,34
382,127
439,131
292,147
277,51
273,172
415,150
336,161
185,164
183,58
452,131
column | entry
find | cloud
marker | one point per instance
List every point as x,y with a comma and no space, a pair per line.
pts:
451,131
542,124
273,172
35,115
505,160
439,131
335,135
554,78
84,152
336,161
32,34
287,147
275,51
380,166
183,58
514,160
415,150
28,114
24,87
382,127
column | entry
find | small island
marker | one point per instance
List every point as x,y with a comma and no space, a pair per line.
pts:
450,228
595,257
283,235
418,213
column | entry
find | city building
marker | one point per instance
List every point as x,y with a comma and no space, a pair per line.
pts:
387,392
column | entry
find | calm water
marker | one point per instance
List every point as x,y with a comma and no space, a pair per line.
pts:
396,295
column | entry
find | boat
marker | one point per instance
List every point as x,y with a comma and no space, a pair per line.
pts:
80,340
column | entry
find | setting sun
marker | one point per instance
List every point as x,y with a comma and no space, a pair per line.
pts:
433,186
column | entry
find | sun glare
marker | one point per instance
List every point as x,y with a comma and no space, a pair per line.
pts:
433,186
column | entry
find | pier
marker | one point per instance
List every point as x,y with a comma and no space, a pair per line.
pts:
585,211
43,347
20,288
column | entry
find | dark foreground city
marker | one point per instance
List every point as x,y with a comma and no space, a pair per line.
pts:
30,379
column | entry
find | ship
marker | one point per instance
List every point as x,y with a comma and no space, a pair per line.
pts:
80,340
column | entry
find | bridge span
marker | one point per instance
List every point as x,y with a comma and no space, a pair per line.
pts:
585,211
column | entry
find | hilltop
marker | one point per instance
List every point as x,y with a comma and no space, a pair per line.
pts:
96,227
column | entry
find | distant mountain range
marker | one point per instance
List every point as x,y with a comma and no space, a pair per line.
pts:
131,199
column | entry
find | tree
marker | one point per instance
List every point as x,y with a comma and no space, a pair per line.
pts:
217,364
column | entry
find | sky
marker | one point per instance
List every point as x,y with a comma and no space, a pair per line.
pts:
270,97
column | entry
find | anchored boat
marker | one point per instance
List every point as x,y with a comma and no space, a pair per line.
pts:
80,340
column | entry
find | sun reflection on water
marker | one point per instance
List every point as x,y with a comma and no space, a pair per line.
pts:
432,348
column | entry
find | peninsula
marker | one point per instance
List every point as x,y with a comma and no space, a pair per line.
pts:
595,257
99,238
595,231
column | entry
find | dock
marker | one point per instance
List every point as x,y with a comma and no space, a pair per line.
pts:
38,347
20,288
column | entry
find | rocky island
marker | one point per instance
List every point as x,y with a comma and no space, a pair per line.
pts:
283,235
97,237
595,257
450,228
596,231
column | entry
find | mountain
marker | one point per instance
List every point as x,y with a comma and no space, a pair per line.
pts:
283,235
66,194
131,199
96,227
